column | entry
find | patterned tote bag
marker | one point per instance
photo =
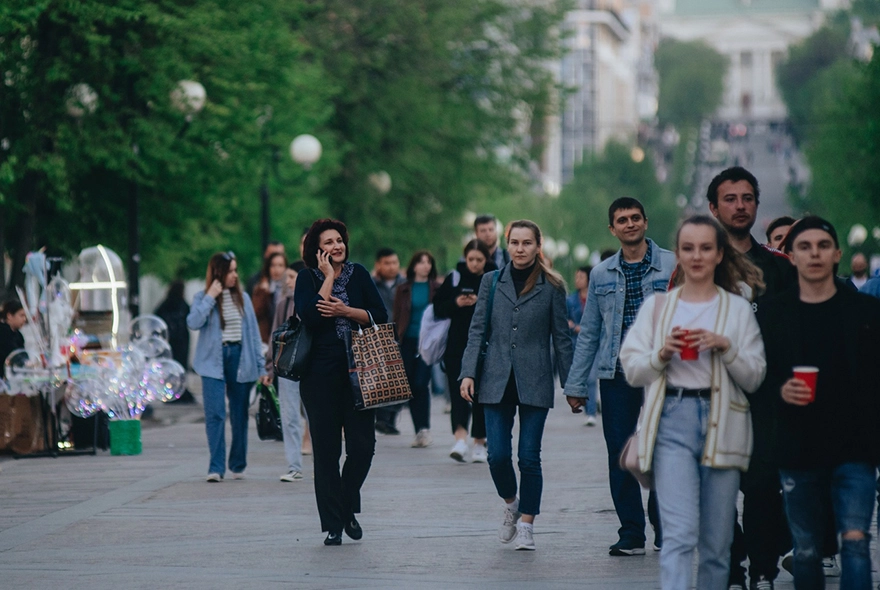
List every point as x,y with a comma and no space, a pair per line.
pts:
375,367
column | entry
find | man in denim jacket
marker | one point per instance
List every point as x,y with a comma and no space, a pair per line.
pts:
618,286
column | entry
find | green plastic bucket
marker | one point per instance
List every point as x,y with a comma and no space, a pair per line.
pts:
125,437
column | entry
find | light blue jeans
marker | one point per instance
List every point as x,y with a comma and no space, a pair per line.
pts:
291,422
214,394
697,503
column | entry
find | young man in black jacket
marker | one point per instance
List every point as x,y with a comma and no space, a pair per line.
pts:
825,446
733,197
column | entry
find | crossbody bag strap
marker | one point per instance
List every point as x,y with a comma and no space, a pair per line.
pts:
486,327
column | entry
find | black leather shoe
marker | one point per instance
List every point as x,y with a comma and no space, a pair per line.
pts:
333,538
353,529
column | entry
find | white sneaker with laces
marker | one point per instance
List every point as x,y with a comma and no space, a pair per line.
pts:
479,455
591,421
831,567
292,476
459,451
763,584
214,478
423,439
508,527
525,541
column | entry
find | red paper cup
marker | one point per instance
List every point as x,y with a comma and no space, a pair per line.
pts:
689,353
808,375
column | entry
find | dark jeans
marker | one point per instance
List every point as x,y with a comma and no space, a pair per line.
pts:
419,376
499,428
852,497
620,413
764,536
326,394
462,410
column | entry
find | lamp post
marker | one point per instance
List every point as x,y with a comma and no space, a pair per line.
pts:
305,150
189,98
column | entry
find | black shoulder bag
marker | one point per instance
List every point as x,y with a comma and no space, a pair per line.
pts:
291,344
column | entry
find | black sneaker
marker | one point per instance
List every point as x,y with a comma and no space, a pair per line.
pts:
353,529
386,428
623,547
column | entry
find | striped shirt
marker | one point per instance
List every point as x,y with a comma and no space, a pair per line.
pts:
231,318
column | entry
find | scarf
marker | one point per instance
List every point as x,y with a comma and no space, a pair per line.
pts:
339,285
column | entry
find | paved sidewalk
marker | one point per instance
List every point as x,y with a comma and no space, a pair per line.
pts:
151,521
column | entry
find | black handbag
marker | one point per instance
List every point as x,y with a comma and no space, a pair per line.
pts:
268,414
291,344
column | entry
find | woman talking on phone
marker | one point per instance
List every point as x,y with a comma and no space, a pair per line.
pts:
228,358
696,350
332,297
528,316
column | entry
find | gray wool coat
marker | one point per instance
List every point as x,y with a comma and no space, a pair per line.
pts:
522,331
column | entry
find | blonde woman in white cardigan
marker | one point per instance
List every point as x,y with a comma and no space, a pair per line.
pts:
696,432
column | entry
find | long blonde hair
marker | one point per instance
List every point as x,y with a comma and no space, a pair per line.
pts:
734,267
542,266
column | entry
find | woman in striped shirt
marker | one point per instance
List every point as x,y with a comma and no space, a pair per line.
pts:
229,360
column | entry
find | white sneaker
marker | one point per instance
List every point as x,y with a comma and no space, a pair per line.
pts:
508,528
591,421
459,450
423,439
291,476
479,455
214,478
239,475
524,539
831,567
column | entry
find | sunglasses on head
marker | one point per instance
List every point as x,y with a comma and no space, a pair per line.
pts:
229,256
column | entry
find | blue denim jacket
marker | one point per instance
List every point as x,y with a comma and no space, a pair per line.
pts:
204,316
602,322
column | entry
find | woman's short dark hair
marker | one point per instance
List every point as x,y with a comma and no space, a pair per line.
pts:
476,244
312,242
416,258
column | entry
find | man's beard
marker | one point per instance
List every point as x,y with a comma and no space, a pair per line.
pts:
739,233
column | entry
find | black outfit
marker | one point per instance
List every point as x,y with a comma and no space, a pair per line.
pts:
764,535
327,396
445,307
842,339
174,311
9,341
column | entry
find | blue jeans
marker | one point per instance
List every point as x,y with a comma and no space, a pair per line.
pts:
214,394
697,503
620,413
291,422
499,429
852,497
593,393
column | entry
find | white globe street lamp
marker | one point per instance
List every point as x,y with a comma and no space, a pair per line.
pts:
188,97
81,99
381,181
581,252
305,150
858,233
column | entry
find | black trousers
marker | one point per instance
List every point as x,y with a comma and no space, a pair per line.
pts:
764,536
327,397
462,410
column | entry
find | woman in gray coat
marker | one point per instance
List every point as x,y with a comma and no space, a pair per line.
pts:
527,316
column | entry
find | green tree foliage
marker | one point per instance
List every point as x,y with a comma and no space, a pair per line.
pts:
835,102
440,95
691,81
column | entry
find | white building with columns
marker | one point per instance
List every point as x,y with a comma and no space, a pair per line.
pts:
755,36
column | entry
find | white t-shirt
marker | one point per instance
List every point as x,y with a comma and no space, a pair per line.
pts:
693,374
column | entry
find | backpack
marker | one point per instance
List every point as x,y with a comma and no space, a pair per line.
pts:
433,333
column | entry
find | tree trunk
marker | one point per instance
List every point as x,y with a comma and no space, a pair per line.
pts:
25,223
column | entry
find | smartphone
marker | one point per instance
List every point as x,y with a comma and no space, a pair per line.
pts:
466,291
